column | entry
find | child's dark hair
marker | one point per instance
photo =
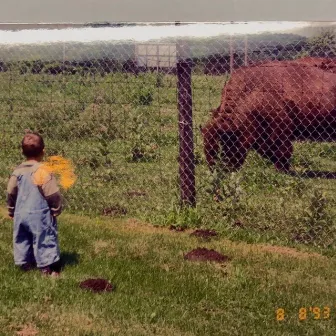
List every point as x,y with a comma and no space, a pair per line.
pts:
32,145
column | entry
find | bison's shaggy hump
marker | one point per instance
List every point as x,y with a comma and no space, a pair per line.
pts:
327,64
266,107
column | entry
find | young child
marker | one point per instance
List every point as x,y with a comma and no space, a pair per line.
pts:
34,201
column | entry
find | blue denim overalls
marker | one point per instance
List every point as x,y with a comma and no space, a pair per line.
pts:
35,229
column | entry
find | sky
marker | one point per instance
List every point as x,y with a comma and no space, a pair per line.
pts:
79,11
143,33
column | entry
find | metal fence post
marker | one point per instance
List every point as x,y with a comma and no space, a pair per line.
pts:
186,138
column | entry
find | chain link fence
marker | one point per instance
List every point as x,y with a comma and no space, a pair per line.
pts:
241,127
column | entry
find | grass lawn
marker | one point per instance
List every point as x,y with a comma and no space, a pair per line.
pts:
158,292
101,123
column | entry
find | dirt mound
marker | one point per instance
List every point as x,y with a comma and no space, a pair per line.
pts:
238,224
203,254
176,228
206,234
114,210
136,193
27,330
96,285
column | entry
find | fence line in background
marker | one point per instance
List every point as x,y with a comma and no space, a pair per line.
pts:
131,126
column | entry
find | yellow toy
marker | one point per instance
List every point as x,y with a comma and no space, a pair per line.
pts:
60,167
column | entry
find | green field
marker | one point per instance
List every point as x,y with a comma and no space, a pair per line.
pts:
158,292
121,132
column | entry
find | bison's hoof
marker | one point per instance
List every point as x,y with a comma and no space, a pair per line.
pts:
283,168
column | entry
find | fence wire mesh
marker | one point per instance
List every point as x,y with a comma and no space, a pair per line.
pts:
245,126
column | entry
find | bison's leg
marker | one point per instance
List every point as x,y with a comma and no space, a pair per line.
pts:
275,140
282,153
282,141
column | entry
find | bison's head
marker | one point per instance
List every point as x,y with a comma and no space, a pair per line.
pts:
223,143
215,112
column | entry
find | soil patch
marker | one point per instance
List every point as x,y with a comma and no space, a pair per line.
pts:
289,251
28,330
203,254
176,228
136,193
114,210
238,224
205,234
96,285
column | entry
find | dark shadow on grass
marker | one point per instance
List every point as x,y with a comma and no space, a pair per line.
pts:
311,174
69,259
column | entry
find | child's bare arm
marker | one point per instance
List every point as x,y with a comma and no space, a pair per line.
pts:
12,191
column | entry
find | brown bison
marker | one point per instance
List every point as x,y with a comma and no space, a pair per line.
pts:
266,107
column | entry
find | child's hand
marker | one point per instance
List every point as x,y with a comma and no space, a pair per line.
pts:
10,217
